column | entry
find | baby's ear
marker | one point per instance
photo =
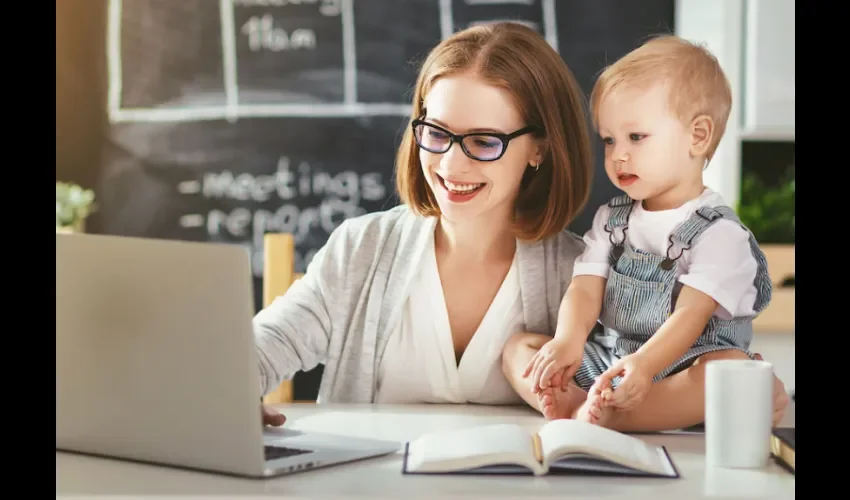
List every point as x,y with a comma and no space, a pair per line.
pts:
702,130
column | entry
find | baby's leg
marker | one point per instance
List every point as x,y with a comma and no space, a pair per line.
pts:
676,402
552,402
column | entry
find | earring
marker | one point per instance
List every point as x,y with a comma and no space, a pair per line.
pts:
536,166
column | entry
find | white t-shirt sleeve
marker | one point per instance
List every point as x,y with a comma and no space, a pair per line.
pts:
722,266
594,259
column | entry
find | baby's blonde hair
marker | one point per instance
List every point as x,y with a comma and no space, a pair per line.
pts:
697,83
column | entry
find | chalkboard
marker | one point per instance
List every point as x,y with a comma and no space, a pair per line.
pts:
232,118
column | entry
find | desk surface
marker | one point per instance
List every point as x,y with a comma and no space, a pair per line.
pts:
82,476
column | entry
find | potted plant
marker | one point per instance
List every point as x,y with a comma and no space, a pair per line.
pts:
73,205
769,211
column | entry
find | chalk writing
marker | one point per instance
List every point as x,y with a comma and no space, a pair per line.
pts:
264,35
242,223
339,197
326,7
286,184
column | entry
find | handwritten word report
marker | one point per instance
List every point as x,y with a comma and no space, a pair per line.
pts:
270,115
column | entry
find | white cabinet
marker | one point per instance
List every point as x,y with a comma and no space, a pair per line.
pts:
768,78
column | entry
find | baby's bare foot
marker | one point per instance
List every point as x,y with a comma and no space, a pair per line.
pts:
556,403
594,411
548,404
780,402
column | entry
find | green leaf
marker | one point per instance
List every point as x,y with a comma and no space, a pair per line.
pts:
769,212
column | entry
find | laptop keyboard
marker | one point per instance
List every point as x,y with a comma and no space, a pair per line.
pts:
275,452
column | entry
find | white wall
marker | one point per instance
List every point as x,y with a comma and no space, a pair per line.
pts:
769,63
754,42
717,24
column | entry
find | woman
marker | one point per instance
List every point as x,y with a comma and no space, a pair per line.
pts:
414,304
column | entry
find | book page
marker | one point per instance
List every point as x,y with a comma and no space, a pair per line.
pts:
471,448
589,463
573,436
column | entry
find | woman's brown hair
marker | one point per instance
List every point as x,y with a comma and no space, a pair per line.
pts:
516,58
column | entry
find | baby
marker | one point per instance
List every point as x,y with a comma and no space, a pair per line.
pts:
669,275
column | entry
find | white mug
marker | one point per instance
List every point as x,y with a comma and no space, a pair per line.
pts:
738,413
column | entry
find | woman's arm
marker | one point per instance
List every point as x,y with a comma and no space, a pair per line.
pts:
293,332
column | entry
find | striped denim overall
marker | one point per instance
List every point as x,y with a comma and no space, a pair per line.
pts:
639,296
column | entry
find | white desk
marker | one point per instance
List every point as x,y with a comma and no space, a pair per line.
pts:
81,476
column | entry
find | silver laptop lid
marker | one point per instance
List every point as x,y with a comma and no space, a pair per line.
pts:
155,358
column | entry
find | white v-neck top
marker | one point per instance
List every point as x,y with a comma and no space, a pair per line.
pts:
418,365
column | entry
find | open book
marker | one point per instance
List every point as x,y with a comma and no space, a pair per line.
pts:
559,446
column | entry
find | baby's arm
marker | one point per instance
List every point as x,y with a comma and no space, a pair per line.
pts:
579,309
582,303
693,310
719,279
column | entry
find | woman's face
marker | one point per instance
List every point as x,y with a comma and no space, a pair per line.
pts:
466,188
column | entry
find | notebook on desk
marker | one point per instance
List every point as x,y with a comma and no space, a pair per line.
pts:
559,447
782,446
783,439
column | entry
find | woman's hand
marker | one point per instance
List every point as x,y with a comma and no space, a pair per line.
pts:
271,416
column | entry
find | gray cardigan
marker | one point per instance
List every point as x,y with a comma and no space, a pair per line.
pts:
351,298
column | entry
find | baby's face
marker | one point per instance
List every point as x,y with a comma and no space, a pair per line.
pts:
647,147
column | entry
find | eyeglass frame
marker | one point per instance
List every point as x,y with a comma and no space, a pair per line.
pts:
458,138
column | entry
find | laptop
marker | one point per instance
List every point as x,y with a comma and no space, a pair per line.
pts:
155,361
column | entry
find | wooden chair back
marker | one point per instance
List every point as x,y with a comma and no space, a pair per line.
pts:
278,276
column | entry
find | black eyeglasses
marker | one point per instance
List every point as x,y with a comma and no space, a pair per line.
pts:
481,146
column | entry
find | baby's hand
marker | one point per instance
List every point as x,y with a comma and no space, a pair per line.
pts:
555,355
632,389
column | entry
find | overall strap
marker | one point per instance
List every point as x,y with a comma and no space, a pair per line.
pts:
699,221
762,282
702,219
621,208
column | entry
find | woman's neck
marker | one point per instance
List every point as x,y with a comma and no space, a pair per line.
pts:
482,239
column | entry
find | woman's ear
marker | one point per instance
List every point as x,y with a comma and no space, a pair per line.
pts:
702,130
539,152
